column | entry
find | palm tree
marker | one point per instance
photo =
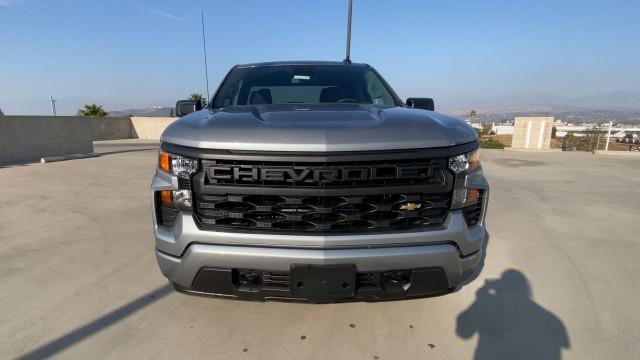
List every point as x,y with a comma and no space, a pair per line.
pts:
93,110
199,97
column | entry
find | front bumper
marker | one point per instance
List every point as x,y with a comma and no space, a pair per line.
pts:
439,260
184,272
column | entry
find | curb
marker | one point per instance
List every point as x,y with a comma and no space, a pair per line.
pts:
548,150
68,157
618,153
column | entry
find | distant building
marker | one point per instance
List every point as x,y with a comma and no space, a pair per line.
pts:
503,129
532,133
619,134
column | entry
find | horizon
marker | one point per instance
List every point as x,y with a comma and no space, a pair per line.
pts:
136,55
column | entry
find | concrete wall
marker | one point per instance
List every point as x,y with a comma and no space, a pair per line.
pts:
149,127
111,128
30,138
532,133
114,128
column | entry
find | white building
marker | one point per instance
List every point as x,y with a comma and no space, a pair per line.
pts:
503,129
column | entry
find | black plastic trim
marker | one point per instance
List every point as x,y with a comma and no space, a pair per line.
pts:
201,188
424,282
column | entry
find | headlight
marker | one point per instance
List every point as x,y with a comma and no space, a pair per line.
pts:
176,164
462,165
183,165
174,199
182,198
465,162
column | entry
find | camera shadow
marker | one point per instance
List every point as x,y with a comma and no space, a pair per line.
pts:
510,324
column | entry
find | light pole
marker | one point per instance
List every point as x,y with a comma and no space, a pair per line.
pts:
53,106
606,147
347,60
204,49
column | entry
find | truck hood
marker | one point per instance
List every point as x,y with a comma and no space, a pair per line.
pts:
317,128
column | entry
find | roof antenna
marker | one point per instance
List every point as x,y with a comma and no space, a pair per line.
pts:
347,60
204,49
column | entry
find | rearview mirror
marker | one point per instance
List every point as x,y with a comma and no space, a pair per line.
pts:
186,107
421,103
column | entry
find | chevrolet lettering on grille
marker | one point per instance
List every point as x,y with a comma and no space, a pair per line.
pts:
320,175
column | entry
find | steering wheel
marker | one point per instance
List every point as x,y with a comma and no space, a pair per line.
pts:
347,100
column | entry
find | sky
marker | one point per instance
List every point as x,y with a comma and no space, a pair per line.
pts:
132,54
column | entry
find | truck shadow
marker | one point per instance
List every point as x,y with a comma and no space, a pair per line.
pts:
55,346
510,324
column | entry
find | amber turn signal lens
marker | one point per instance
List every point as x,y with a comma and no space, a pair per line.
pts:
164,161
472,197
166,197
474,160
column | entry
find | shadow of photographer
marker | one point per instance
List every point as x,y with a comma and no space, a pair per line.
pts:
510,324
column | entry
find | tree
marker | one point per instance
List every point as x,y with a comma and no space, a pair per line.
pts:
1,113
472,114
486,129
93,110
198,97
571,139
591,138
553,132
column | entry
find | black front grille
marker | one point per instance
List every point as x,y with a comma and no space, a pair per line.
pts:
321,213
321,194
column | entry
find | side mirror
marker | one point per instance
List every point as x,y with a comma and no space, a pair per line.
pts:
421,103
186,107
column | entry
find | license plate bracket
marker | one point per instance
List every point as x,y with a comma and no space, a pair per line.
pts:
323,281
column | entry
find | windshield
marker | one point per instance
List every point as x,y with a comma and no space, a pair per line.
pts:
303,84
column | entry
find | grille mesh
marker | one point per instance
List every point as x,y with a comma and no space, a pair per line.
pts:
321,213
326,195
184,183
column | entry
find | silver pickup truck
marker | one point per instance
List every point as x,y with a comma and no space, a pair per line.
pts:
313,181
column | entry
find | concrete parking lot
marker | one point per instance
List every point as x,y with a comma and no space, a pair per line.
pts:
78,276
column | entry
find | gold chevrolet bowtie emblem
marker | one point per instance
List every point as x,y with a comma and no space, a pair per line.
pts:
410,206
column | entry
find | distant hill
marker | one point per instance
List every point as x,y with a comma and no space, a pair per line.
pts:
614,101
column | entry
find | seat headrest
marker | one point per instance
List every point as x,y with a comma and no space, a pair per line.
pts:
331,94
262,96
